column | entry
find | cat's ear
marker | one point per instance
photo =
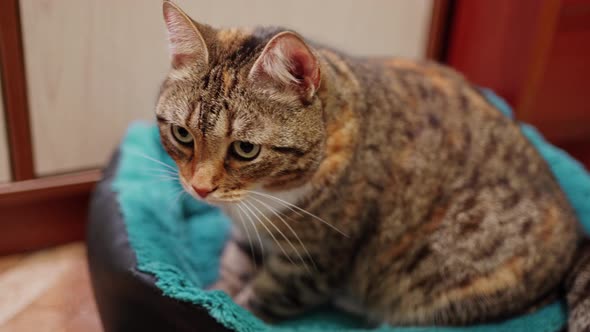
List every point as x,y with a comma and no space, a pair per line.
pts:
187,46
288,63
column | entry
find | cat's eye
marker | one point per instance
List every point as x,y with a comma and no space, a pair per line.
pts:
245,150
182,135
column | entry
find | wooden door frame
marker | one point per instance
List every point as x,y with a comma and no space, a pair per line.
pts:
440,30
34,212
37,212
15,92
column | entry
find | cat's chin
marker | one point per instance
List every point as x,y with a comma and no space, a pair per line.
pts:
256,200
223,201
220,201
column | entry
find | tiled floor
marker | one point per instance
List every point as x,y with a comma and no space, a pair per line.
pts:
47,290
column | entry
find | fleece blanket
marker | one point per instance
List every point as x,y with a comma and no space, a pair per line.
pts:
179,240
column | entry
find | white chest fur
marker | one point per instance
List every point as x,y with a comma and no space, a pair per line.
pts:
252,216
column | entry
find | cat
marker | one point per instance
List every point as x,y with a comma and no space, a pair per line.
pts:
387,186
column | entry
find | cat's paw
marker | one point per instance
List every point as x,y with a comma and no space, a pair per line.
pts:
229,288
247,299
235,272
244,298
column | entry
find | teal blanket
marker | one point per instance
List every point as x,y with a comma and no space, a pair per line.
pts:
180,240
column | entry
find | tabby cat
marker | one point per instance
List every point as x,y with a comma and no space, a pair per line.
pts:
386,186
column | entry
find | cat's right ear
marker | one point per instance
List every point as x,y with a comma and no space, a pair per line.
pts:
289,64
187,46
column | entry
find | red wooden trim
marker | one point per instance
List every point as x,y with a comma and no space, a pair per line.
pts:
490,42
15,92
579,150
534,53
44,212
555,100
438,35
47,187
27,227
542,43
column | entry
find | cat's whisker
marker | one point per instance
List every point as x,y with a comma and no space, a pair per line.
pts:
164,176
281,233
158,171
248,236
143,155
251,221
179,197
246,203
276,199
270,208
300,209
272,197
159,180
176,193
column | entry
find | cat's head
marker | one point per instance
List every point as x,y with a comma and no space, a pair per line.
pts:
239,110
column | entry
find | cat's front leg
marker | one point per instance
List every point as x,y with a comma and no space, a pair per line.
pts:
283,289
236,269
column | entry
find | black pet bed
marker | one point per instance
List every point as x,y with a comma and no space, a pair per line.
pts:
128,299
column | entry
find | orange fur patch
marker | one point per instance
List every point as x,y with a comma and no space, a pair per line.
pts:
397,250
228,79
405,158
341,140
505,276
227,36
402,63
547,228
443,83
437,218
406,241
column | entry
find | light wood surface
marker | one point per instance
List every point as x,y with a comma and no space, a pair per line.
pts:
4,162
47,291
94,65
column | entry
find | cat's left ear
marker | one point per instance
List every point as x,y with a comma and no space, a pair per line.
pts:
289,64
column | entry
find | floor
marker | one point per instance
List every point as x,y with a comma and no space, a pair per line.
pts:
47,290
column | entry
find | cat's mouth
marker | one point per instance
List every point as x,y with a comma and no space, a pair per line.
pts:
216,197
225,199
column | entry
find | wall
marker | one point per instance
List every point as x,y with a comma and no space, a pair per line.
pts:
4,162
95,65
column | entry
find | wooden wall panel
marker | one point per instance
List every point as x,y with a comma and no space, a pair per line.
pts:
94,65
373,27
4,162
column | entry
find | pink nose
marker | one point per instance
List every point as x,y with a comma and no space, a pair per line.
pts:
203,192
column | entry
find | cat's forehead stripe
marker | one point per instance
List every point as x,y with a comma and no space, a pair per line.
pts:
229,80
222,79
193,117
214,83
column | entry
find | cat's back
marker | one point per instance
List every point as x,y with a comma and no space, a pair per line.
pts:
459,189
418,115
441,137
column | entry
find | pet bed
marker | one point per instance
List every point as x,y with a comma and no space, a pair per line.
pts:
152,249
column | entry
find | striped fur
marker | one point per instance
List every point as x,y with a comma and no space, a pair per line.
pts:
417,201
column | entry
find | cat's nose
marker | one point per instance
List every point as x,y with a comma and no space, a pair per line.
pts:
203,192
